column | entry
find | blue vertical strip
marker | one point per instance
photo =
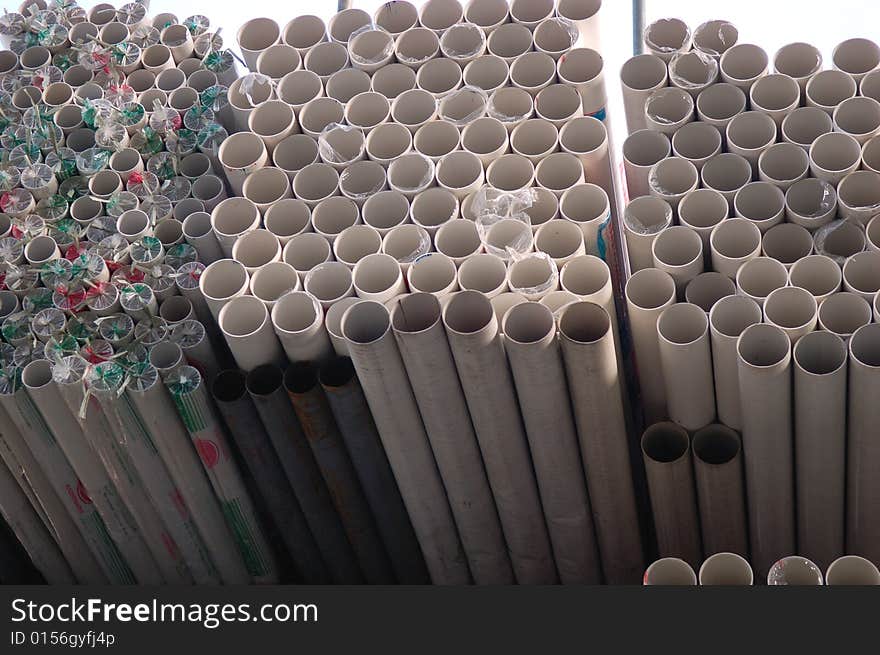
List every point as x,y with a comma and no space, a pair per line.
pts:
638,25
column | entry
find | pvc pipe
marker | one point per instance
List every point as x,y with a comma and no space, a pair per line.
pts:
396,17
378,277
334,463
255,249
411,174
719,104
345,84
783,164
839,240
487,72
320,113
325,59
678,250
487,14
297,319
701,210
795,570
149,411
460,173
804,125
132,224
759,277
720,489
533,276
776,95
473,336
534,139
666,37
811,203
511,106
727,569
693,71
559,172
366,327
385,210
859,117
222,281
644,218
670,572
209,190
726,173
857,57
533,71
287,218
587,139
244,423
686,362
820,375
666,453
387,142
833,156
818,274
852,570
544,208
792,309
433,273
827,89
298,88
198,233
864,352
594,383
799,61
392,80
743,64
329,282
406,243
858,196
303,32
764,365
648,292
530,331
41,250
556,301
485,137
562,240
668,109
356,242
582,68
416,46
787,243
254,37
135,556
240,155
641,151
333,215
366,110
414,108
176,309
749,134
870,160
872,234
463,43
232,218
672,178
430,366
761,203
509,41
860,274
361,180
697,142
458,240
315,183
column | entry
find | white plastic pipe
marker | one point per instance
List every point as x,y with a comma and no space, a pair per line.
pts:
222,281
804,125
406,243
562,240
686,362
333,215
749,134
857,57
668,109
509,41
305,251
534,139
644,218
800,61
783,164
672,178
795,570
818,274
329,282
377,277
273,281
287,218
701,210
232,218
761,203
693,71
726,569
356,242
820,379
861,274
298,321
587,205
858,196
718,474
366,327
726,173
255,249
648,293
433,273
488,72
595,386
458,240
759,277
666,37
852,570
678,251
670,572
241,154
764,365
641,151
787,243
697,142
719,104
776,95
833,156
255,36
811,203
839,240
582,68
793,310
473,335
666,453
743,64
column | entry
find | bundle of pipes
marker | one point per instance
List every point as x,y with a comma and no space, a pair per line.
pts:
111,126
730,569
754,244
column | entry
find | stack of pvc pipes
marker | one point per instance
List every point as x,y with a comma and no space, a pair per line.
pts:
427,192
115,465
754,244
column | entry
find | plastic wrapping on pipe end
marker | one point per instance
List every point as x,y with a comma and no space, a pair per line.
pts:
187,333
329,154
426,179
480,97
376,58
552,282
183,380
69,369
478,31
654,115
491,206
719,34
709,62
142,376
149,332
10,380
821,236
250,81
188,275
635,225
665,48
494,112
105,377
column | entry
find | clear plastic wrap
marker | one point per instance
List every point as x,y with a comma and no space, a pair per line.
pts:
504,226
47,323
341,144
824,239
117,329
539,290
375,56
464,105
475,40
693,70
413,182
250,82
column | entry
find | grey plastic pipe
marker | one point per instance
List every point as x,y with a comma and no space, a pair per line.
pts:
536,363
424,349
475,342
